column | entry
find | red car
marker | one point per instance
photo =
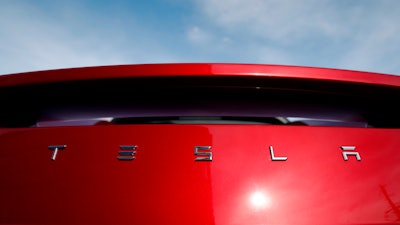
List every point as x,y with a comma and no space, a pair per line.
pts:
199,143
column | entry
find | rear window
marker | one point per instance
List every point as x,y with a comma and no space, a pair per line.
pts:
195,100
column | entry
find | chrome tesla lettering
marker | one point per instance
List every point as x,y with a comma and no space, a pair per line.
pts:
203,152
55,149
127,152
346,153
275,158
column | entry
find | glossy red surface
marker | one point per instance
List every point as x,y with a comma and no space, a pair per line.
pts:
242,185
86,184
197,69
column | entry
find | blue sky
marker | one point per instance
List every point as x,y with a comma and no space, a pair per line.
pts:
346,34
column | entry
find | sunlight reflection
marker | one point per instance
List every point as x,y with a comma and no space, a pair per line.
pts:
260,200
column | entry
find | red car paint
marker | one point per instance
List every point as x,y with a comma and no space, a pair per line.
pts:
310,183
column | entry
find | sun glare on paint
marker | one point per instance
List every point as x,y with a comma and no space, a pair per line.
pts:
260,200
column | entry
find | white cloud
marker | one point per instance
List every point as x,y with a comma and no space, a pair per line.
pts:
377,49
273,56
35,39
197,35
359,35
275,19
